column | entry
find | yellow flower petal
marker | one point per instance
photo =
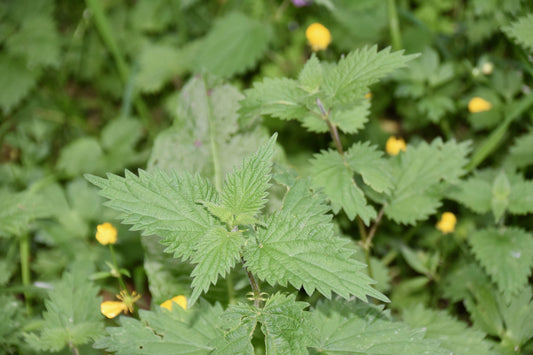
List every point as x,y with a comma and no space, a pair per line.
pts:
318,36
181,300
478,104
106,233
111,309
395,145
447,223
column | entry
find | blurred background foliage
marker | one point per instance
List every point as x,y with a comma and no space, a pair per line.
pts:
100,86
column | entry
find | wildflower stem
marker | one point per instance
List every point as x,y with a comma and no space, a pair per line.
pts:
255,286
394,25
115,265
104,29
74,349
332,128
25,268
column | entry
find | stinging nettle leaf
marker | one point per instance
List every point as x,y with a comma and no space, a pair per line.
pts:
245,189
215,253
330,171
520,31
163,204
368,161
419,170
299,247
359,69
280,97
506,255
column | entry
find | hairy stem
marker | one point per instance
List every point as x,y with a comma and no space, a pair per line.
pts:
25,268
394,25
115,265
255,286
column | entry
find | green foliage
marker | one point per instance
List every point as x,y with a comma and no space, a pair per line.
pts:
238,41
366,329
113,152
452,334
339,87
506,255
285,250
417,174
71,317
520,31
161,331
183,93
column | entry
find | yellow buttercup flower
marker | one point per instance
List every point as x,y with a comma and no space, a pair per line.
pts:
106,233
447,223
111,309
395,145
478,104
181,300
318,36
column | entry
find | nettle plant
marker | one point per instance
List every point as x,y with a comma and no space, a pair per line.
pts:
275,227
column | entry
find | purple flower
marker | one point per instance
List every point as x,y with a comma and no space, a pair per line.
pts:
301,3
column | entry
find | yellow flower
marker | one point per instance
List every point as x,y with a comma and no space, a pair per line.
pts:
447,223
368,95
318,36
106,233
478,104
111,309
394,145
181,300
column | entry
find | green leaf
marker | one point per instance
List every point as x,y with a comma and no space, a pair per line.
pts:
239,322
453,335
245,189
363,329
180,331
501,188
15,75
368,161
475,193
238,41
216,253
37,41
310,76
418,172
358,70
521,197
72,315
350,118
206,137
299,247
506,255
280,97
74,160
11,321
520,31
330,171
521,153
285,325
158,64
162,204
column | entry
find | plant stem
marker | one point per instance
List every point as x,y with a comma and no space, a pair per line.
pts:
394,25
114,258
25,268
104,29
332,128
255,286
